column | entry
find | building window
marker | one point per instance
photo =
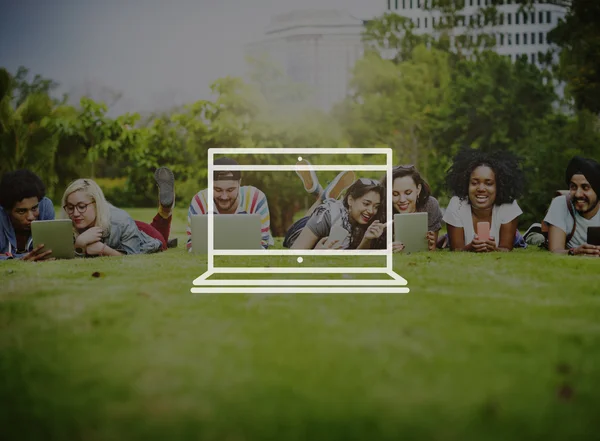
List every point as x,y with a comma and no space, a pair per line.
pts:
517,18
411,4
502,18
541,17
509,39
517,35
541,39
425,22
418,3
418,22
533,38
525,18
548,17
478,2
524,38
433,22
470,2
533,58
509,17
533,18
501,39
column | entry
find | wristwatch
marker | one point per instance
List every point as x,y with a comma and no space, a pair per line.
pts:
80,252
571,251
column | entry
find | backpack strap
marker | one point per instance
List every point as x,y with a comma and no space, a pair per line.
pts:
572,213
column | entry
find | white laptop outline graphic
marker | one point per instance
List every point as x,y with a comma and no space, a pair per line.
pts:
392,283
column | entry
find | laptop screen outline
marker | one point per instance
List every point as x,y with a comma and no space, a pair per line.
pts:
212,252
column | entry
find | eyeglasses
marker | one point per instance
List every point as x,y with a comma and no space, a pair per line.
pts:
81,207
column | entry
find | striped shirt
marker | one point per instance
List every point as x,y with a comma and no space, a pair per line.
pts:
251,201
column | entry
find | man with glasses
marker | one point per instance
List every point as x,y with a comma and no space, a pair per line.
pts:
22,200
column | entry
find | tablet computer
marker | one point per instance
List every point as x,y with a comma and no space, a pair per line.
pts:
593,235
56,235
411,230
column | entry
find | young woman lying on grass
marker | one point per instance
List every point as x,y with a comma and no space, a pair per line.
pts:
102,229
354,218
485,188
412,194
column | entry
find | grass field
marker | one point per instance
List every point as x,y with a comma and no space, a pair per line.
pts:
495,347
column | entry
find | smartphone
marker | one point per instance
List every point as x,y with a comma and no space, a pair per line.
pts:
593,235
338,233
483,230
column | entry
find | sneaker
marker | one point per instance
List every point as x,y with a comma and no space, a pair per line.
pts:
341,182
534,228
172,243
166,186
309,179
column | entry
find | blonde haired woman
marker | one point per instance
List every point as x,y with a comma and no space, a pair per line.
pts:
102,229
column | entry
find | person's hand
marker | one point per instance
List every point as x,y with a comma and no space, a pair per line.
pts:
36,254
491,244
587,250
374,231
325,244
479,246
95,249
397,247
431,242
88,237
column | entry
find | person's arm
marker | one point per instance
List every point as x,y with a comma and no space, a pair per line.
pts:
507,237
262,208
557,240
306,241
456,236
101,249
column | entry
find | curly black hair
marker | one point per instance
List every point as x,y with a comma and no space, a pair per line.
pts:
18,185
510,178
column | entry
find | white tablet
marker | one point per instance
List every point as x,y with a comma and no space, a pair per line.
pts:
411,230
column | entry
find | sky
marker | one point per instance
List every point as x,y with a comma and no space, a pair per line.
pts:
157,53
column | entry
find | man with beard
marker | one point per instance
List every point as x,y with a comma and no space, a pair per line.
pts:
583,179
231,198
22,200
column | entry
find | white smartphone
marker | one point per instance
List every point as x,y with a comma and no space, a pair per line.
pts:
338,233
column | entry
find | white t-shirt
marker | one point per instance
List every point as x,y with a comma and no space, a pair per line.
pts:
458,214
558,215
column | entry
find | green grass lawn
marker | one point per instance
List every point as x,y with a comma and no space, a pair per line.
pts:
494,347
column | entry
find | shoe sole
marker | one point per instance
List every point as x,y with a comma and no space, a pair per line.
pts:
306,177
344,181
166,186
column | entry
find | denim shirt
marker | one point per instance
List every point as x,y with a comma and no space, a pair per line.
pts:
125,237
8,239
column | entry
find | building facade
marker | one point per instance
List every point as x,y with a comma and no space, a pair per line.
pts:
517,32
317,48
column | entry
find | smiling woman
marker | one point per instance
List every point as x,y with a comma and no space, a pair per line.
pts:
349,224
485,188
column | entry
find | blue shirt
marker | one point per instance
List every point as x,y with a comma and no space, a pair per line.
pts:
8,238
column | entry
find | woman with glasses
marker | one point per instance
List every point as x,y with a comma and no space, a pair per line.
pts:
485,188
351,223
102,229
412,194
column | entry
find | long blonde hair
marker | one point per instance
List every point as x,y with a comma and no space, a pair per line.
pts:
91,189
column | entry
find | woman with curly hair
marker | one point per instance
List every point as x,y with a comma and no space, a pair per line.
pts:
485,188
